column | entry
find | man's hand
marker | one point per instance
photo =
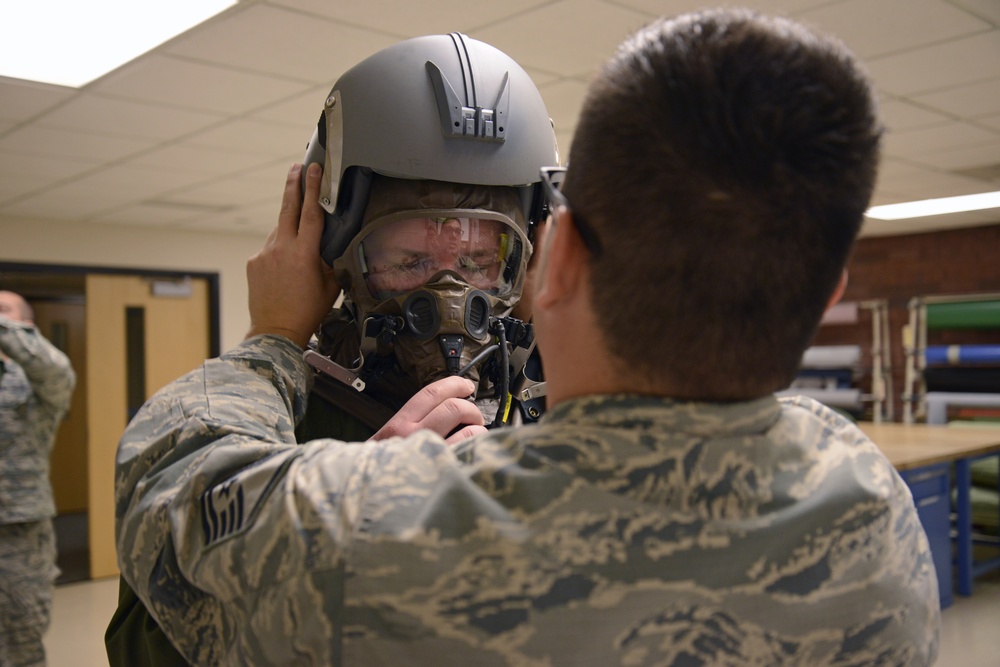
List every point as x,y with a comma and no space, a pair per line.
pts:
291,287
442,406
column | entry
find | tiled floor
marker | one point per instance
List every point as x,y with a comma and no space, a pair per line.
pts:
970,634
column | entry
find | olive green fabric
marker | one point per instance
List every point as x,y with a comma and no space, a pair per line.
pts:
134,638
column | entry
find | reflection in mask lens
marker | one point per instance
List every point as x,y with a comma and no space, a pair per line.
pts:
403,255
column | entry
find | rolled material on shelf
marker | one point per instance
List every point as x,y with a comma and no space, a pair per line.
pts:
845,312
823,377
962,354
831,356
977,416
985,509
963,379
986,472
963,315
849,399
938,403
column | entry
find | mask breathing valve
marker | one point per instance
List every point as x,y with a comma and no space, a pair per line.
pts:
451,348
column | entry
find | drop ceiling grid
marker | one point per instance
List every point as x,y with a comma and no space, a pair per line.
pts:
211,116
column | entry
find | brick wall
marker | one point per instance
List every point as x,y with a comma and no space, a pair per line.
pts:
897,268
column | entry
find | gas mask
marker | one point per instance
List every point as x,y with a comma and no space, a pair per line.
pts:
430,272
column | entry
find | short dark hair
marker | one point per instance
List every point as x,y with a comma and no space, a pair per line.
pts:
726,160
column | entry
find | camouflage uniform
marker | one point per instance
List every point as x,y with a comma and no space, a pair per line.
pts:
35,388
620,530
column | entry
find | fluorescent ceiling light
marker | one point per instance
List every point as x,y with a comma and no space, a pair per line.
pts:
73,42
925,207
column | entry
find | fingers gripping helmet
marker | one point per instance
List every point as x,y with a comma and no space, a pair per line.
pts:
450,110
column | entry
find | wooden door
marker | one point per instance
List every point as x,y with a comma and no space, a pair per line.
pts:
142,333
62,322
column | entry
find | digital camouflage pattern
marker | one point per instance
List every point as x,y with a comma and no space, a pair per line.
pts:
27,575
619,530
35,388
36,383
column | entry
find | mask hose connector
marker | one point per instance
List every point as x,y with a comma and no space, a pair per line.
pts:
451,348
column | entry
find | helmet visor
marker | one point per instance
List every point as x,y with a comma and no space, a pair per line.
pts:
403,251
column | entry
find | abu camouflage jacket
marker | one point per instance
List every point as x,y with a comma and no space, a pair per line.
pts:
619,530
36,384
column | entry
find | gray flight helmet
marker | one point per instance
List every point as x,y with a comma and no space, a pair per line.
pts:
441,107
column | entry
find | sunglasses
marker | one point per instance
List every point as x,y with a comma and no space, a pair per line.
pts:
552,179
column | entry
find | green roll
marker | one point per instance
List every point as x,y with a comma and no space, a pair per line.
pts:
964,315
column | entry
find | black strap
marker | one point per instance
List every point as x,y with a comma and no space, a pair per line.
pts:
367,409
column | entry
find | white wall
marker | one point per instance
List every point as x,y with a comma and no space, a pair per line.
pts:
125,246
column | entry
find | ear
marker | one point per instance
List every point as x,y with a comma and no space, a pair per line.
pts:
838,292
562,264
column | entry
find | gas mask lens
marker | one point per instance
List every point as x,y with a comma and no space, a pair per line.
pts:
399,254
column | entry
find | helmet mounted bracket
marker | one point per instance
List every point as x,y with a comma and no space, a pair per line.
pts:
465,118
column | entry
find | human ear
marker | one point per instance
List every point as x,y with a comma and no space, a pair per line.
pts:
561,264
838,292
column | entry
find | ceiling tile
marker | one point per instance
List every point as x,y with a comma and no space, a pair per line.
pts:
46,206
914,143
122,185
672,7
281,42
861,24
989,121
197,159
45,168
881,197
33,139
563,100
541,78
925,183
939,66
13,186
902,115
114,117
256,219
22,100
893,174
978,155
251,136
978,99
301,110
145,215
987,9
256,186
589,31
411,19
189,85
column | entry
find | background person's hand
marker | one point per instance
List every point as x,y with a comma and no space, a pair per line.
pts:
442,406
291,287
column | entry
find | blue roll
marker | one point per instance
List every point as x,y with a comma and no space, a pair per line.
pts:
954,355
838,377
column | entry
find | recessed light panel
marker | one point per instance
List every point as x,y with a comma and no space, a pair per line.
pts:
73,42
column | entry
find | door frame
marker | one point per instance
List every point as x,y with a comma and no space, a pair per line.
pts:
212,278
82,271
